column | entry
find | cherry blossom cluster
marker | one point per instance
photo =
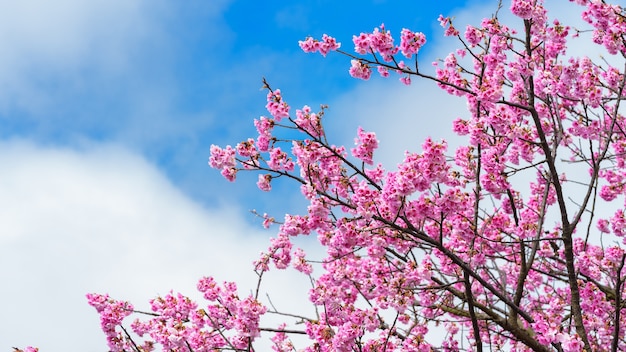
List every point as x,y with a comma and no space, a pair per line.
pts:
326,45
112,313
177,323
366,144
500,243
608,22
378,42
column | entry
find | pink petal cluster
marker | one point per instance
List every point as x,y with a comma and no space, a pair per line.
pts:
276,106
446,23
411,42
523,8
309,121
608,23
360,70
379,41
224,159
326,45
177,323
112,313
366,144
473,35
504,242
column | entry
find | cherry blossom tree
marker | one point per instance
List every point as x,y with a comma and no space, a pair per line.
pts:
504,243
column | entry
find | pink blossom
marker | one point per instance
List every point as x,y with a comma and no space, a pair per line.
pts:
264,127
522,8
366,143
570,343
27,349
411,42
247,148
281,340
267,221
264,182
360,70
279,160
379,41
508,215
222,158
473,35
280,251
276,105
309,122
229,173
300,263
361,43
383,71
603,226
450,30
328,44
112,313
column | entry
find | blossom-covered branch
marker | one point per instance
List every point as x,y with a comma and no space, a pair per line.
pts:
499,244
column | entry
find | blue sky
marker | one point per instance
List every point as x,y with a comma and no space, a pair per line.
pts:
168,80
108,109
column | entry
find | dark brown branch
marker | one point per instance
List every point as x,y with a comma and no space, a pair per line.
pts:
618,305
472,313
286,331
568,246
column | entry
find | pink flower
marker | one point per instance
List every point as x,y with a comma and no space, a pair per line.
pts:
281,340
383,71
300,263
366,143
112,313
411,42
522,8
446,23
222,158
603,226
264,182
570,343
247,148
280,161
267,221
360,70
264,127
309,45
380,41
276,105
229,173
209,288
328,44
309,122
473,35
280,251
361,43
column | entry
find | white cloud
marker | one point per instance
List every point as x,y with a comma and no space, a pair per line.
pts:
42,39
65,31
102,219
61,49
402,117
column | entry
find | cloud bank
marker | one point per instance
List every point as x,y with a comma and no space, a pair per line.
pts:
102,219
